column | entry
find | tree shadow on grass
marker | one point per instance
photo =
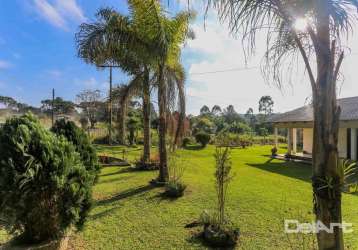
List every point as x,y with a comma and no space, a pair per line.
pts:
160,197
290,169
117,179
125,194
104,213
122,170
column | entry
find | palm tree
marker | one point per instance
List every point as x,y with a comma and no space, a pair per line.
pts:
216,109
112,39
144,42
169,34
312,29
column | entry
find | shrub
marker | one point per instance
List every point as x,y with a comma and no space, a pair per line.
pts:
218,230
175,187
82,143
216,235
202,138
44,186
153,163
186,141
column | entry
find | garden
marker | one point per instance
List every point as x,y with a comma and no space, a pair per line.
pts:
130,213
153,177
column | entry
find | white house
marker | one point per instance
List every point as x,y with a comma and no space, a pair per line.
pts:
302,119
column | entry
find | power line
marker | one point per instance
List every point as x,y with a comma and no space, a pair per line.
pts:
240,69
225,70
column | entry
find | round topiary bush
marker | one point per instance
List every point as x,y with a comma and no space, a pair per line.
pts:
203,138
44,186
82,143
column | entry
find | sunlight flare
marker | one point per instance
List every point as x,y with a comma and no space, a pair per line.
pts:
300,24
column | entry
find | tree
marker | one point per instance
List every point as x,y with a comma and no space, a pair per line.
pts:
325,24
266,105
169,34
81,142
216,110
90,102
44,186
204,110
203,138
9,102
138,43
58,105
133,124
120,95
203,124
250,117
230,115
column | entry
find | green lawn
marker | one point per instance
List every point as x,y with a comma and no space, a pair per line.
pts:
130,214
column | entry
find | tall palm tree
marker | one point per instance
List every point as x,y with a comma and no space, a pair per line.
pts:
312,29
169,34
144,42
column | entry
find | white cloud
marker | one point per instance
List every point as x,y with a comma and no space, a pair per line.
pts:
60,12
5,64
71,8
50,13
214,49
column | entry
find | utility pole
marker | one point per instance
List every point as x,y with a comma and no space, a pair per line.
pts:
110,106
53,107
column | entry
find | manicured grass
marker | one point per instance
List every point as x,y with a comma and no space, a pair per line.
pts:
130,214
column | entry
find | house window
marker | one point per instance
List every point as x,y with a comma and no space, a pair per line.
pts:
349,143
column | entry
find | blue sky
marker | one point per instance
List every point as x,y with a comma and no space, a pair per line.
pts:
37,49
37,53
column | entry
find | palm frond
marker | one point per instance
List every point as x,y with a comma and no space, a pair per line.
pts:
247,19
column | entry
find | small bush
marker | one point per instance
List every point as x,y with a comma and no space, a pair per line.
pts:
44,186
202,138
80,140
186,141
216,234
175,189
153,163
218,230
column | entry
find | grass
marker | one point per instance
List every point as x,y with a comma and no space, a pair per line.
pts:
130,214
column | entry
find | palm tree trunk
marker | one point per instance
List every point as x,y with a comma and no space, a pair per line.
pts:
327,200
122,123
162,100
146,118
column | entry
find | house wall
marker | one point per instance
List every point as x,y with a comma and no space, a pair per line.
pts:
342,141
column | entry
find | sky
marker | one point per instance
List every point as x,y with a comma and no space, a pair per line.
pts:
38,53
